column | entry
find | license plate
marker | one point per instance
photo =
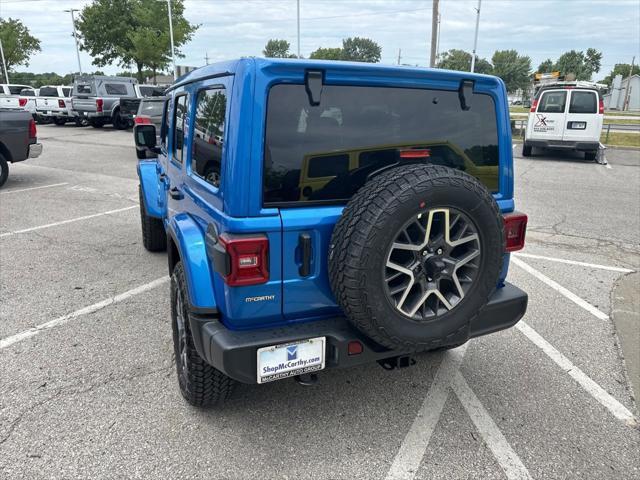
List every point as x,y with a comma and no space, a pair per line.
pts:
290,359
578,125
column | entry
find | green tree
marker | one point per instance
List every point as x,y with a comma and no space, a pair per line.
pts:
582,65
327,54
460,60
621,69
512,68
546,66
133,32
358,49
276,48
17,43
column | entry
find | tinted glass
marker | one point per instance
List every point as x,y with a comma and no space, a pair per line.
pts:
150,91
327,152
48,92
151,108
583,102
115,88
66,92
83,88
16,89
180,112
25,92
165,122
208,135
552,102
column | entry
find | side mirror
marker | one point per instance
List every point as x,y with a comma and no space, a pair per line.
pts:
145,137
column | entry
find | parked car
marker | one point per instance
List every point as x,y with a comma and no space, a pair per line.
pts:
54,103
568,116
129,105
10,95
149,112
97,98
27,100
18,139
400,252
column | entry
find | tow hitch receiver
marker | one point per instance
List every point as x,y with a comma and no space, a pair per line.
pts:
402,361
307,379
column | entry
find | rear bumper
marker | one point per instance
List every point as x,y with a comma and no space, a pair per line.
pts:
234,352
35,150
564,144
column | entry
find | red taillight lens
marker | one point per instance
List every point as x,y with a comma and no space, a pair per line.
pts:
99,104
22,102
33,132
534,105
248,259
354,348
515,229
142,120
61,104
601,106
415,153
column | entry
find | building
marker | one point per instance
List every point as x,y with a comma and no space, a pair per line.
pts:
614,100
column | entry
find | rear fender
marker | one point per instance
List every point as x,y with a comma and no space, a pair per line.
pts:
190,242
152,191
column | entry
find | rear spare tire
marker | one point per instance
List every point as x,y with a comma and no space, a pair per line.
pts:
416,254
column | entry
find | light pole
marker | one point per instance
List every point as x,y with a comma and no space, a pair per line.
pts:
173,52
434,33
298,2
475,41
4,64
75,37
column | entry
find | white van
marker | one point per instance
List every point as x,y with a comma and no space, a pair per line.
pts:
565,116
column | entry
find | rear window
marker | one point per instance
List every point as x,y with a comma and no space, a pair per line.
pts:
16,89
48,92
115,88
150,91
583,102
553,102
326,152
27,92
83,88
151,109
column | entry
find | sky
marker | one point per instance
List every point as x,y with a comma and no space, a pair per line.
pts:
232,28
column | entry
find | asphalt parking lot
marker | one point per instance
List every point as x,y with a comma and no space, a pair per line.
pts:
87,378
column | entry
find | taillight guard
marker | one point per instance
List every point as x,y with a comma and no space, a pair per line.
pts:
515,229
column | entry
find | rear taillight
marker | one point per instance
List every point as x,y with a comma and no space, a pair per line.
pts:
33,132
142,120
22,102
601,106
99,105
415,153
534,105
515,229
247,259
61,104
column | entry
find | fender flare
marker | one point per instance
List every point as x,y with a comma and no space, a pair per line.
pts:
189,240
148,175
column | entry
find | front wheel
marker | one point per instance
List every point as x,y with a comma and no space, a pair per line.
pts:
119,122
200,384
4,170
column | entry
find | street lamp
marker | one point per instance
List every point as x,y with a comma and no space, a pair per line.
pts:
4,63
173,54
475,41
75,36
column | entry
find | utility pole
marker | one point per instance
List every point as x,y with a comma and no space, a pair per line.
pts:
475,41
399,55
298,5
75,36
438,40
4,63
173,51
206,58
625,104
434,33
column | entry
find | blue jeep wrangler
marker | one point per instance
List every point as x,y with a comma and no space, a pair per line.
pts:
328,214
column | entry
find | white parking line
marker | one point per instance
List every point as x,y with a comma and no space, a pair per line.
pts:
596,391
560,289
34,188
574,262
48,225
509,461
18,337
415,443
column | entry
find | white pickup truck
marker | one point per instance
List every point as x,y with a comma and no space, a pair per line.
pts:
54,102
10,96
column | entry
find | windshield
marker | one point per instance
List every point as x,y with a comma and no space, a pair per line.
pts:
325,153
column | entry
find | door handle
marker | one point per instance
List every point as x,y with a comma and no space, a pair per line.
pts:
175,193
304,242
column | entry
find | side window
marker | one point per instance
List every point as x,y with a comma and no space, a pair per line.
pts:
583,102
164,128
179,114
115,88
208,135
552,102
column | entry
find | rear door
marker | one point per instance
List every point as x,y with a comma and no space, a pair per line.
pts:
84,93
583,121
47,100
548,121
317,157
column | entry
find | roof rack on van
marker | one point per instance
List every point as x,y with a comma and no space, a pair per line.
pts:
574,83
